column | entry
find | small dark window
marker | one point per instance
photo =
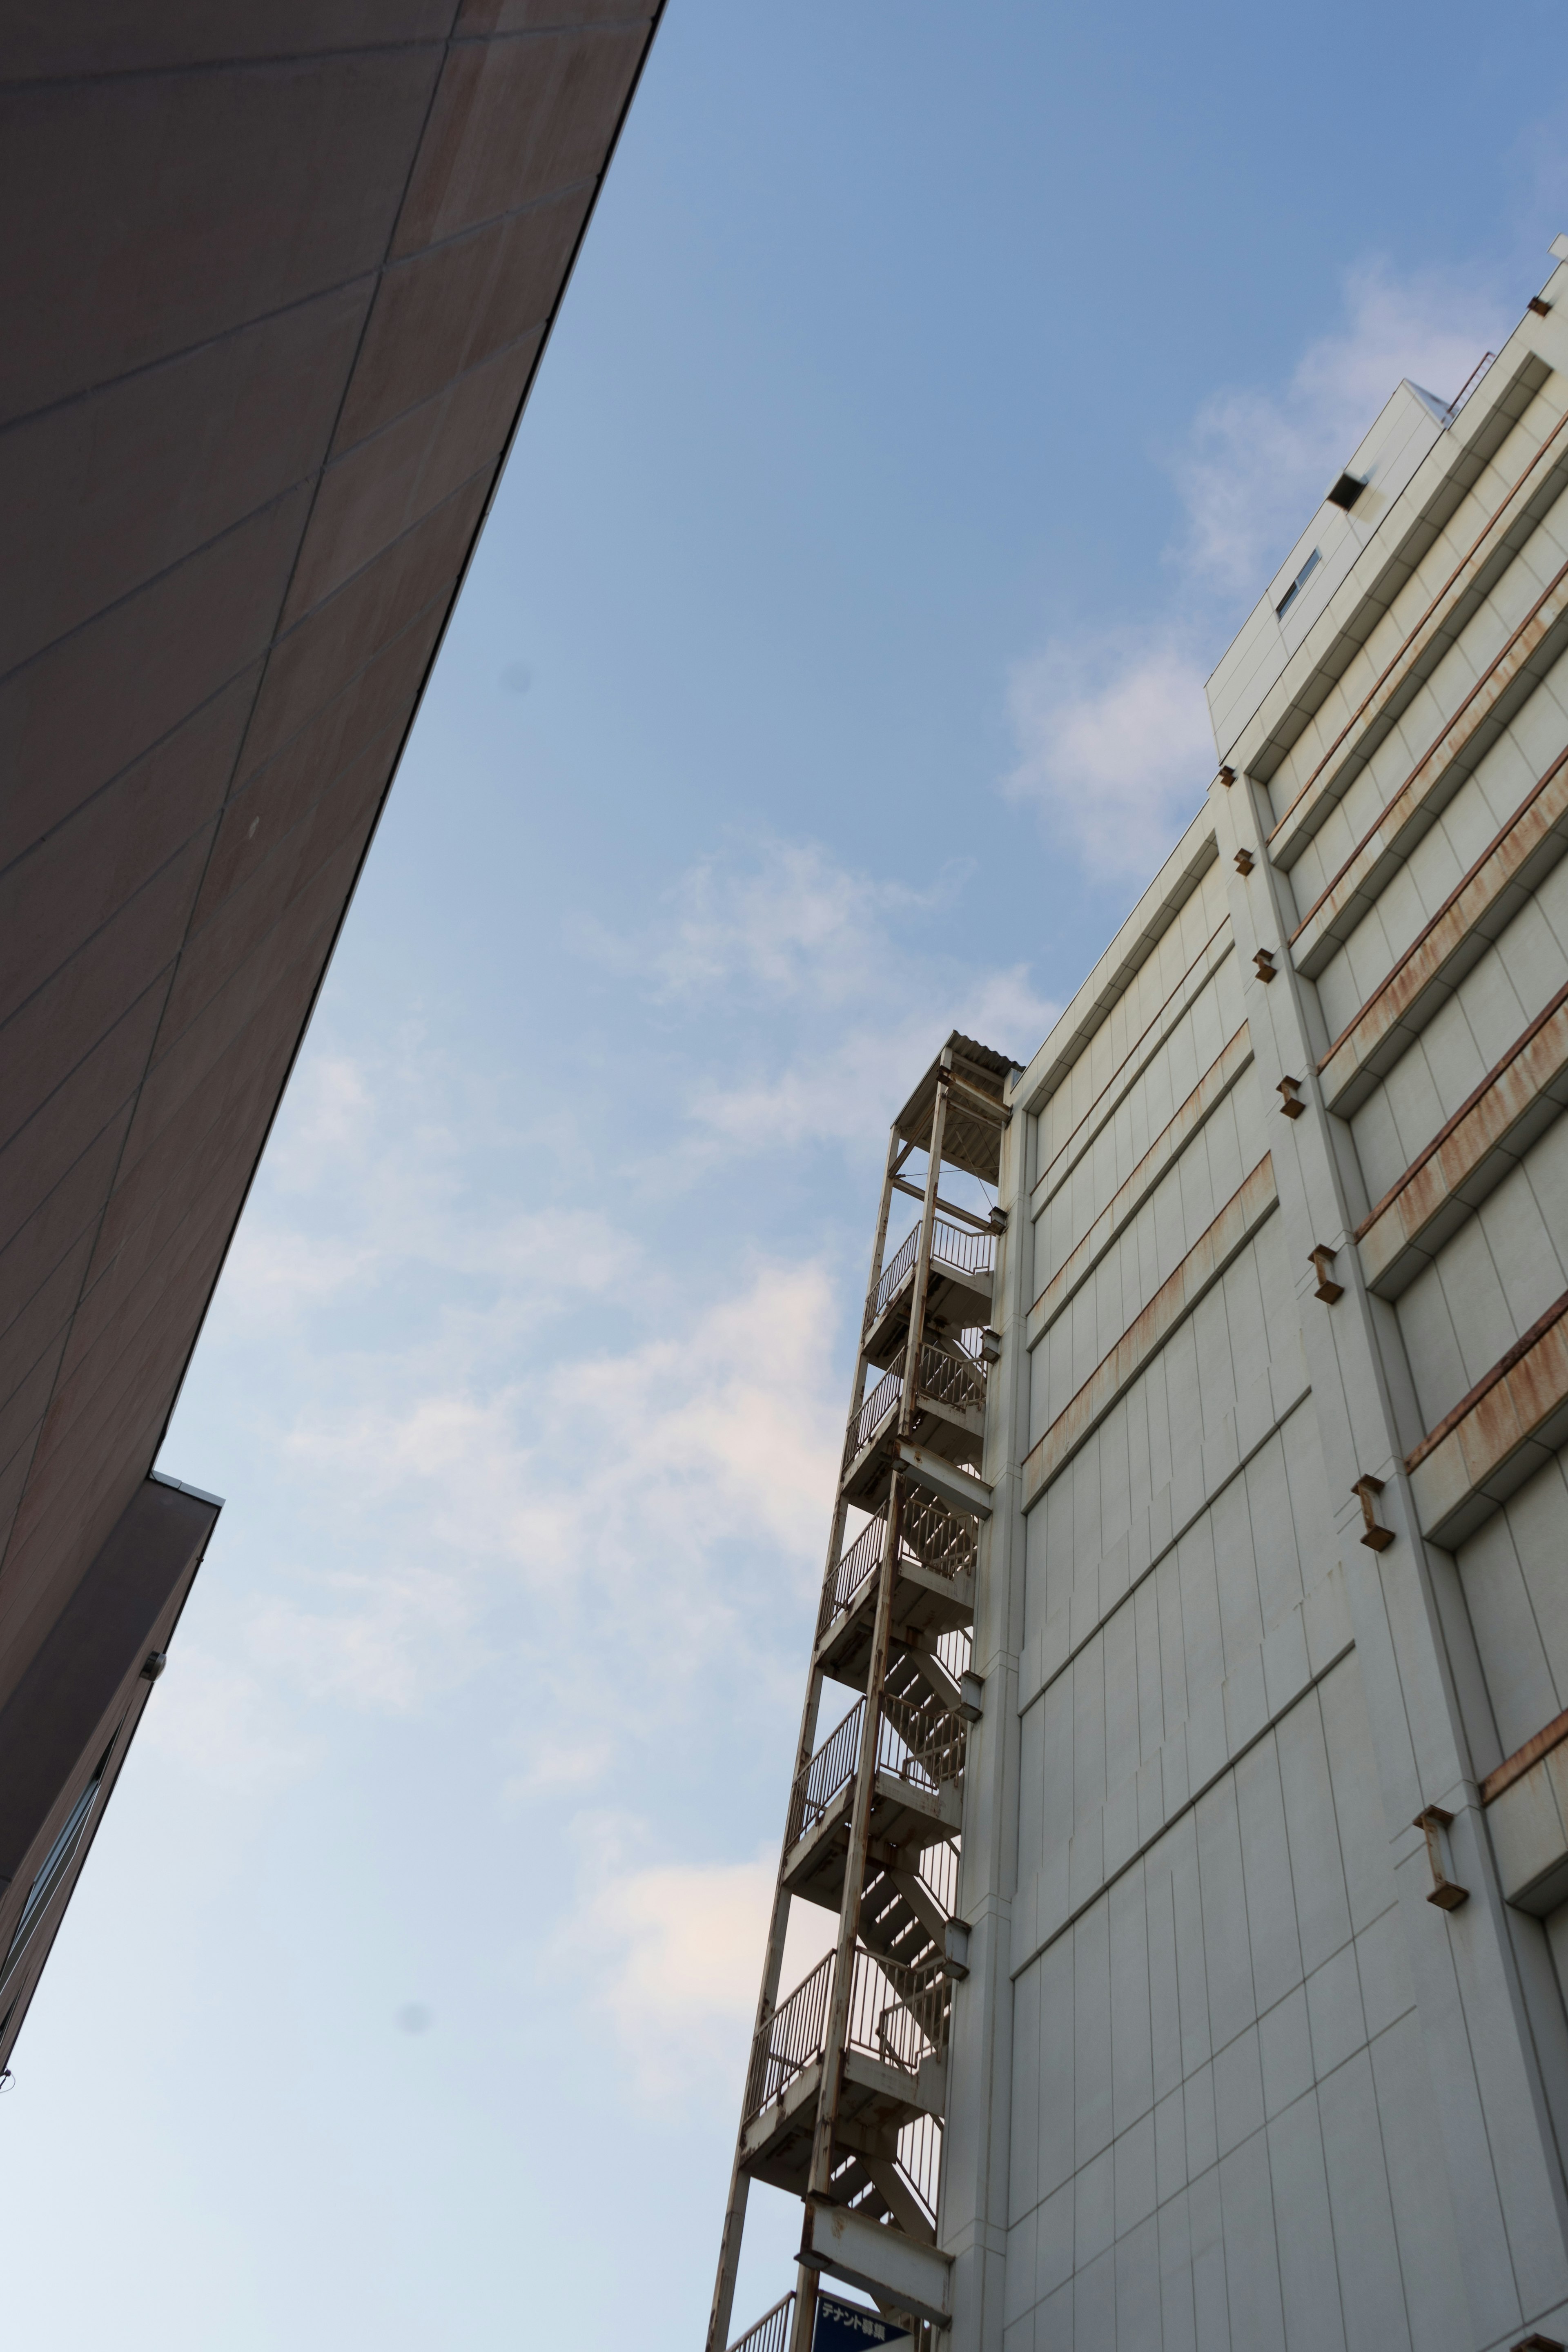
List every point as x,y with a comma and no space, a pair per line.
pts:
1297,584
56,1862
1345,492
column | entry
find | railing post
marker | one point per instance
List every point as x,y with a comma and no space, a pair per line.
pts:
922,1253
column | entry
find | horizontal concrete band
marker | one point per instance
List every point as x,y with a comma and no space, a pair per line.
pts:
1144,1050
1527,1818
1115,972
1175,1300
1211,1090
1519,665
1480,907
1428,641
1079,1910
1513,1767
1517,1100
1508,1426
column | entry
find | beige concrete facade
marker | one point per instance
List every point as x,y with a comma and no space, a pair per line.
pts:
1263,2040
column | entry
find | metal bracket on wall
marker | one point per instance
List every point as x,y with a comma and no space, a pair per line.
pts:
1433,1823
1375,1538
1322,1259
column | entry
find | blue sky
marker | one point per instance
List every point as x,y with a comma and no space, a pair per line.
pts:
937,390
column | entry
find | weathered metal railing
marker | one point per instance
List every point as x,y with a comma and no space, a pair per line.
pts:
770,2333
945,1541
953,1377
964,1250
893,1274
822,1779
948,1375
846,1576
950,1246
898,2014
920,2161
956,1651
920,1741
938,1868
882,1402
788,2041
935,1539
915,1738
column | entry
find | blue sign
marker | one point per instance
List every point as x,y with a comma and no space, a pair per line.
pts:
850,2328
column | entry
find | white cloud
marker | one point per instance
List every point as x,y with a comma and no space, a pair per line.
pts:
598,1447
791,924
672,1956
623,1490
1113,732
1256,463
226,1726
1114,743
853,964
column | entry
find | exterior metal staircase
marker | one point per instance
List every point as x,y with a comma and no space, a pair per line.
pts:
846,2084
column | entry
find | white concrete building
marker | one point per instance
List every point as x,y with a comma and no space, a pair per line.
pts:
1255,2027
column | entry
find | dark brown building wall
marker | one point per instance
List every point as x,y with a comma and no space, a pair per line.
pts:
275,282
68,1723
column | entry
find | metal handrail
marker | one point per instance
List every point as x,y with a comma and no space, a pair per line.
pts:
1469,385
785,2043
898,2015
952,1376
819,1782
938,1870
966,1252
845,1576
920,2161
950,1245
945,1541
920,1741
892,1275
770,2333
941,1541
882,1400
949,1374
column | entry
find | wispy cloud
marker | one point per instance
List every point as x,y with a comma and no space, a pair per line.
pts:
491,1402
671,1954
1256,463
854,974
1114,744
1112,730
